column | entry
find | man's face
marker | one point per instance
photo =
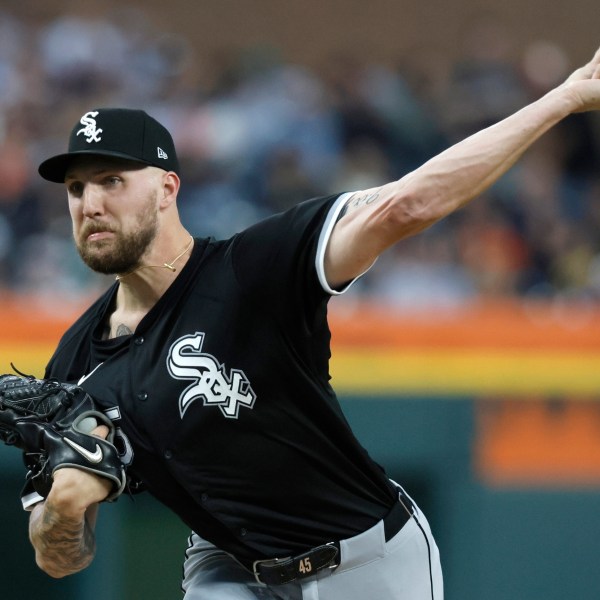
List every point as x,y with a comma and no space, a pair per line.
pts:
114,209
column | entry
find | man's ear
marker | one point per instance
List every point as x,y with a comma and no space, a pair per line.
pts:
171,184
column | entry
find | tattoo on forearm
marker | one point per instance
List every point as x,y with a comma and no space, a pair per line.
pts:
67,544
363,199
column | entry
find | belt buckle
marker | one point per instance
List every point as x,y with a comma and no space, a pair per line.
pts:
257,563
267,561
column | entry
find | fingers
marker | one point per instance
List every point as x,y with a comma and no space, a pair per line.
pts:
90,425
101,431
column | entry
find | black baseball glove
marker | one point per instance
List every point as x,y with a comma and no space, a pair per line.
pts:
50,421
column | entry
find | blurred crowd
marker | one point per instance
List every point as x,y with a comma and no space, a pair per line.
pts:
257,134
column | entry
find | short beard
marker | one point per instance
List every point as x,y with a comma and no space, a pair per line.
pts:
123,253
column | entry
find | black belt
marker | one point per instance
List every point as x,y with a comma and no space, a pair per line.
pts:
278,571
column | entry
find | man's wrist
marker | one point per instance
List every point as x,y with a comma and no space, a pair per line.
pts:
565,99
64,502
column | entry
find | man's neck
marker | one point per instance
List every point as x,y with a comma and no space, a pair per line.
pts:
139,291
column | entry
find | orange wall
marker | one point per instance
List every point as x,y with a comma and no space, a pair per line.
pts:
491,347
485,348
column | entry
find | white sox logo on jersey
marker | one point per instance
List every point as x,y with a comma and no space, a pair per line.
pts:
90,131
210,381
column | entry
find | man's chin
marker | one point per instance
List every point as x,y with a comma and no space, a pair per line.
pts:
105,265
102,269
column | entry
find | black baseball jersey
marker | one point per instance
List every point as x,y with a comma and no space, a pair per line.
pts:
222,397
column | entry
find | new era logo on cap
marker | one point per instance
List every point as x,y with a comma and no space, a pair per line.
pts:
117,132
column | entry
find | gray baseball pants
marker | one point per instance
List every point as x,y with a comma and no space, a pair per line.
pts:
407,567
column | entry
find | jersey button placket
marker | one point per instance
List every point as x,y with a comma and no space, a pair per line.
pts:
142,396
168,454
139,340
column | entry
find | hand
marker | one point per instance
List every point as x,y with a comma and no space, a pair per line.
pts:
584,85
74,490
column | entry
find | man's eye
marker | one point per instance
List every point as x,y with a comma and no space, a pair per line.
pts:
75,188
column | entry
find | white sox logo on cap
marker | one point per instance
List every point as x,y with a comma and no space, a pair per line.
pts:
90,131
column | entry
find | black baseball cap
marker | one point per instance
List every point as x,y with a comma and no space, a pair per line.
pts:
120,132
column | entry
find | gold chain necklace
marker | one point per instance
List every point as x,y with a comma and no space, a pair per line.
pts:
163,266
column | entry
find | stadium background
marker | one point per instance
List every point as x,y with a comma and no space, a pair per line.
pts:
466,360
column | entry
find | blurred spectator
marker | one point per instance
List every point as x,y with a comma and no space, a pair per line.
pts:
422,273
492,250
485,84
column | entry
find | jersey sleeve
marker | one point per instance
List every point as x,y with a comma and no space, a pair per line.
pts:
283,256
332,218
